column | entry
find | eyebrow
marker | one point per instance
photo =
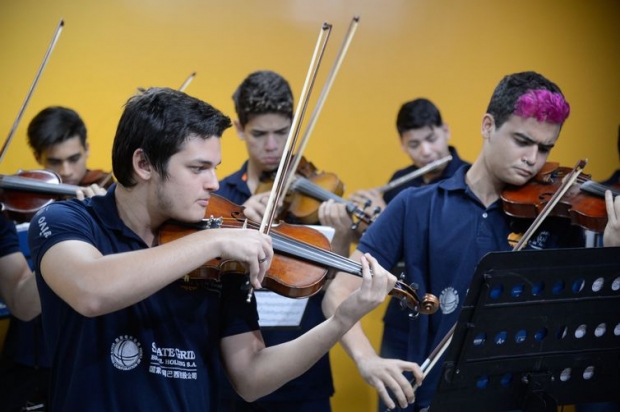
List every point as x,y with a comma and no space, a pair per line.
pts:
281,130
58,159
531,141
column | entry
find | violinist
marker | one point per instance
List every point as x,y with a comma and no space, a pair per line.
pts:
264,107
424,137
58,138
441,231
125,330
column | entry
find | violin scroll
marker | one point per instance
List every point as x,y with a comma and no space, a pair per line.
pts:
409,299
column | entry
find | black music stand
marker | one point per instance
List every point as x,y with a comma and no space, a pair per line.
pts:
538,329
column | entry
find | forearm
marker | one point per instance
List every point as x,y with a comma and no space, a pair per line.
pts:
96,284
26,303
272,367
18,288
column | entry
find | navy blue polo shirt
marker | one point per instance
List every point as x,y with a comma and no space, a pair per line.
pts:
396,321
441,232
317,381
159,354
8,237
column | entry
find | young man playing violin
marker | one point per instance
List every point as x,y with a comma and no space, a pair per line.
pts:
442,231
264,107
125,330
57,136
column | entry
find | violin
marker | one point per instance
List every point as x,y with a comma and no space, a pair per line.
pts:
308,190
98,177
302,257
28,191
583,203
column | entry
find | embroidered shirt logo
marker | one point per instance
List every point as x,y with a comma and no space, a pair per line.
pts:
540,241
448,300
44,229
126,353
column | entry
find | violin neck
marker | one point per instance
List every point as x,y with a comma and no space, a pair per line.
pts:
305,186
598,189
25,184
314,254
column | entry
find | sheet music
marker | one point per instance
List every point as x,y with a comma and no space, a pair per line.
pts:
277,311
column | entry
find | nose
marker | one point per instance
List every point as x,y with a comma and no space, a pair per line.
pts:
65,171
271,143
212,183
530,156
425,148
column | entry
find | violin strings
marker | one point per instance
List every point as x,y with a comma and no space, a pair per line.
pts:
305,251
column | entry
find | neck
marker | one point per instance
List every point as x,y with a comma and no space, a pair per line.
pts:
482,183
253,176
134,211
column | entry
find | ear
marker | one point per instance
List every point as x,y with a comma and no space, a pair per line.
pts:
239,129
488,125
38,158
86,149
446,130
141,165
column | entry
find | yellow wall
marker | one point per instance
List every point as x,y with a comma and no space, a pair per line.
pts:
453,52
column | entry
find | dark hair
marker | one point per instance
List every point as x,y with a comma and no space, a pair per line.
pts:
416,114
545,100
54,125
263,92
159,121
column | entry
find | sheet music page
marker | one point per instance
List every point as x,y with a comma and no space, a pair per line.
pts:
277,311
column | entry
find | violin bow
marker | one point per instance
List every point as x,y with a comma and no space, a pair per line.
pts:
433,358
413,175
57,32
285,161
187,82
344,47
569,180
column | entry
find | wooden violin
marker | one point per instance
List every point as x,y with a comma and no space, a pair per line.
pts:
28,191
98,177
309,188
302,257
583,203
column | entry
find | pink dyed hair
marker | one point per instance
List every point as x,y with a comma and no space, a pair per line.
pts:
543,105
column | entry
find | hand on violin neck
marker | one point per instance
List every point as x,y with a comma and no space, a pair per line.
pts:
376,284
90,191
370,200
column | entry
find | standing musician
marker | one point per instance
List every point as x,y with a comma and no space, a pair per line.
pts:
58,138
424,137
441,231
125,330
264,107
